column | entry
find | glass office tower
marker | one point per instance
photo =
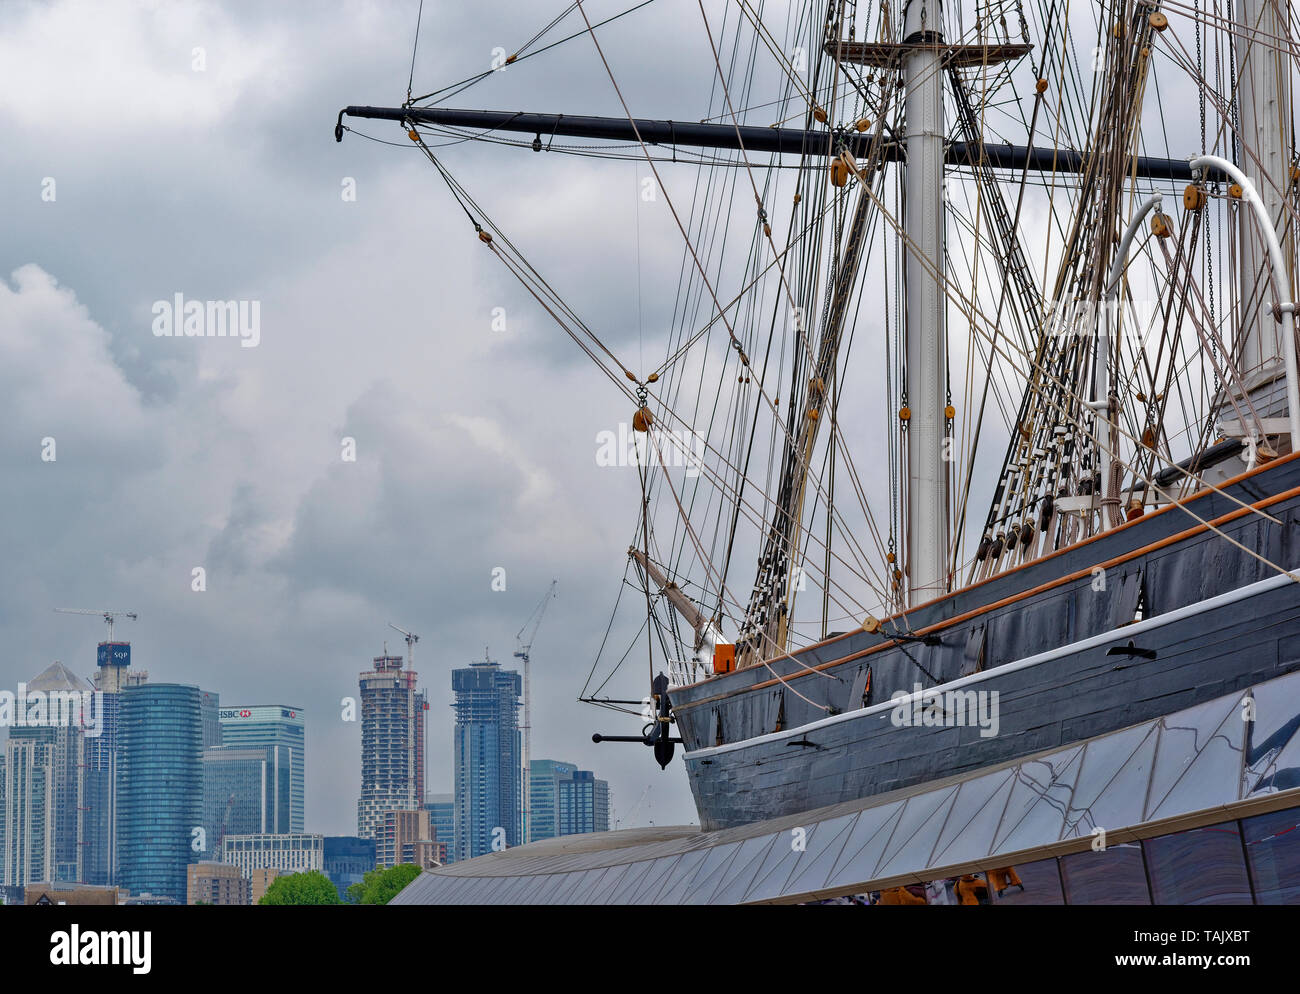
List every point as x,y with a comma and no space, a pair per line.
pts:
487,757
280,728
160,797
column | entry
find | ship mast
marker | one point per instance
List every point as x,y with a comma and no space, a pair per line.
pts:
925,557
1264,129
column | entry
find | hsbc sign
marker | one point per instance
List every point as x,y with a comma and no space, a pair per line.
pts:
273,712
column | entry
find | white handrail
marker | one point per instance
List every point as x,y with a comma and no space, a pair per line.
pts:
1280,277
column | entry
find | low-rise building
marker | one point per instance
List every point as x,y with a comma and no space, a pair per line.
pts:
289,852
59,892
259,879
348,858
405,836
216,883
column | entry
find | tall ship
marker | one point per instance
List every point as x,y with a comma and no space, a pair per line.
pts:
969,432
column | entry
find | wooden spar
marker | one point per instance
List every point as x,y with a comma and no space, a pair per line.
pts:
683,604
782,141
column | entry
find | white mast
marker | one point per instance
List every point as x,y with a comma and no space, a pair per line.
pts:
926,555
1264,122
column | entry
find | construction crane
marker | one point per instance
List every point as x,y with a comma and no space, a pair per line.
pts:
225,823
524,652
419,762
410,645
109,616
635,808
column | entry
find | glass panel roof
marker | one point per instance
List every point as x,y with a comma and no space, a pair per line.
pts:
814,864
918,830
677,878
985,803
604,888
631,887
1048,787
1214,774
1121,794
744,867
1272,741
1183,763
775,870
711,873
1182,739
865,844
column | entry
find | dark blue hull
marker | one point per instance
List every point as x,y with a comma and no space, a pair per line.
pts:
1215,619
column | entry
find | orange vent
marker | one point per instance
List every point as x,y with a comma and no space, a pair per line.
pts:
724,658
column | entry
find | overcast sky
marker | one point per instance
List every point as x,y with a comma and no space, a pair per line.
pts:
149,149
474,447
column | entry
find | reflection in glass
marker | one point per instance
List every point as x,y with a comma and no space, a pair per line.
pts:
1210,773
1200,866
1104,797
975,818
972,889
1112,876
1036,811
1040,883
1273,847
1183,736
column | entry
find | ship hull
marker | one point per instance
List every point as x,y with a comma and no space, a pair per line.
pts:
1047,647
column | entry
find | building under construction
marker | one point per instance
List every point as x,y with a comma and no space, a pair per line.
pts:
392,743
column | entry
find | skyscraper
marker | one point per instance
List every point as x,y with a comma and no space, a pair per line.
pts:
210,708
392,743
62,719
487,758
113,675
582,804
245,791
544,774
27,791
160,736
566,800
281,729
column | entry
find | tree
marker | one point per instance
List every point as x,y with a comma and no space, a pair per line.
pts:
312,887
381,886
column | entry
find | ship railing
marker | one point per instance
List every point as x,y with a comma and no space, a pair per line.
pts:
682,672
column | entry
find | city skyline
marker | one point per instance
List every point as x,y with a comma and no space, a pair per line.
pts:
436,774
249,775
164,784
229,459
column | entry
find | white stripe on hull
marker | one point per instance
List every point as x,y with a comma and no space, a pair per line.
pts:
1125,632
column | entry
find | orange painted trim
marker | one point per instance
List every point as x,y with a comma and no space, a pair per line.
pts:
1205,492
1051,584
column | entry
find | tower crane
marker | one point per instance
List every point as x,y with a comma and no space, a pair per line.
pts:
421,745
225,823
524,652
109,616
410,645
